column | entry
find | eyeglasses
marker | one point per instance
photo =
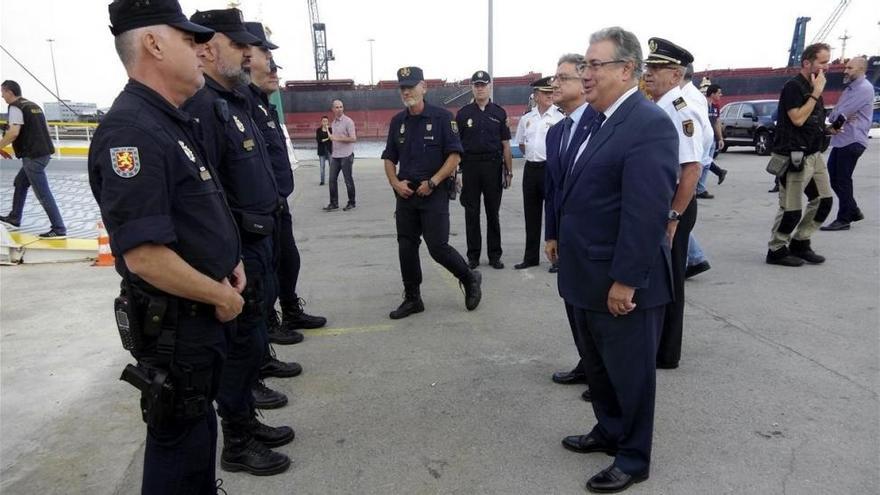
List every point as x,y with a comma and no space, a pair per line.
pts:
562,78
595,65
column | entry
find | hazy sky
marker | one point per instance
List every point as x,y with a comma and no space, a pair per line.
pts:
448,39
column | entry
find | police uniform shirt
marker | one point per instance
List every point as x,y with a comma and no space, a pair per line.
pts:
237,147
695,100
420,143
532,132
266,118
153,184
686,121
482,131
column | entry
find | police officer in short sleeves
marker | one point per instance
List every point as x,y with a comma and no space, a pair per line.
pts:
423,141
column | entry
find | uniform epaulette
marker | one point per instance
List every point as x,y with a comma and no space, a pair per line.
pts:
679,103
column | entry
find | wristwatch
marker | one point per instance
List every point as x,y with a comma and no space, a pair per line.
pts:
431,184
674,216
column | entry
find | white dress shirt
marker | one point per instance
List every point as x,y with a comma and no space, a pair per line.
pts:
532,132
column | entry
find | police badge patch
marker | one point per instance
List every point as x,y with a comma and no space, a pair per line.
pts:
126,161
688,127
238,123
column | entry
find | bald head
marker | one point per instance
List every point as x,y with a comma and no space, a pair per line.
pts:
855,68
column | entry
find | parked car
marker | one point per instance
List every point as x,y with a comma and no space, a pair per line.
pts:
749,123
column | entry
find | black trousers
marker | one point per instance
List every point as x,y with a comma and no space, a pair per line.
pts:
482,178
427,217
344,165
841,164
533,209
569,313
669,350
289,260
618,356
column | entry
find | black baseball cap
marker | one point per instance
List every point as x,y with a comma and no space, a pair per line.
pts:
126,15
409,76
664,52
227,21
257,29
481,77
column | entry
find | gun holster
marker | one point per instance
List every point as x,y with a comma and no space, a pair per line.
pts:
157,392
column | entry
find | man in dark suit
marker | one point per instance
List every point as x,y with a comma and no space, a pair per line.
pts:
563,140
614,267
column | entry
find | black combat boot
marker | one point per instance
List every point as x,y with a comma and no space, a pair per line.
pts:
472,292
270,436
293,317
278,369
243,452
266,398
412,304
279,334
783,257
802,250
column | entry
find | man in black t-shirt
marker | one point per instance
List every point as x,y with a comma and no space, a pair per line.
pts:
800,134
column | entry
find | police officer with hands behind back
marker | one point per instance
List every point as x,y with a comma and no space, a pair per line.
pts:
175,242
423,140
486,167
245,170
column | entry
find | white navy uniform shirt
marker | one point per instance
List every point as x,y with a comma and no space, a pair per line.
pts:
686,121
532,132
695,99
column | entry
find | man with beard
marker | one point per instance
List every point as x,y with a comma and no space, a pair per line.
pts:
423,140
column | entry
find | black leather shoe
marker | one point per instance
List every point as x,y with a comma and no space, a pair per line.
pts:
473,264
858,216
569,377
349,206
10,221
253,457
294,317
472,291
666,366
835,225
496,264
554,268
587,444
266,398
410,305
280,335
279,369
613,480
705,195
524,264
722,175
271,436
802,250
331,207
774,189
587,396
694,270
783,257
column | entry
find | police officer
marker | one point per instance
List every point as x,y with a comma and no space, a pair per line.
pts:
264,76
174,239
486,168
423,140
531,134
232,139
666,65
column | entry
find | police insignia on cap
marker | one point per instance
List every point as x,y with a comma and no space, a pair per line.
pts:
263,109
652,45
454,126
480,74
126,161
688,127
238,123
679,103
186,151
470,122
404,72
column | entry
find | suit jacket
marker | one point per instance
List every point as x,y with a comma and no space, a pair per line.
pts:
556,168
613,210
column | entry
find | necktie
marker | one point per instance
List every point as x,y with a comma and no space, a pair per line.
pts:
566,134
594,127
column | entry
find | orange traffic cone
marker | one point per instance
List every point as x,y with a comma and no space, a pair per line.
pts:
105,257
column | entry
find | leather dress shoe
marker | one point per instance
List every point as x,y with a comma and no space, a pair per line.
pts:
554,268
473,264
835,225
705,195
587,444
410,305
569,377
496,264
271,436
666,366
266,398
694,270
472,291
858,216
613,480
279,369
587,396
524,264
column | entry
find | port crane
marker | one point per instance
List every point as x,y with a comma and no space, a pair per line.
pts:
800,33
319,43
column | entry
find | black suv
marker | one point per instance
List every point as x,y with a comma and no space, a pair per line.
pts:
749,123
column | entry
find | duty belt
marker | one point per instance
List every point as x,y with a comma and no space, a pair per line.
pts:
481,157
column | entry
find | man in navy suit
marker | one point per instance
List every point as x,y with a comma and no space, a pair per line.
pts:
569,95
614,267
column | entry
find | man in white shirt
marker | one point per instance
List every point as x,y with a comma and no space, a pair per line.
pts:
531,134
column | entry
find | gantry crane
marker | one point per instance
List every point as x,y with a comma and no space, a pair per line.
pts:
319,43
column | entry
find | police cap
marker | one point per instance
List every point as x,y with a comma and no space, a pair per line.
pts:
126,15
542,85
256,29
663,52
227,21
409,76
481,77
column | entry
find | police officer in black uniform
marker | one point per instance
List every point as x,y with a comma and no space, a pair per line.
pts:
423,140
264,76
487,167
234,143
175,242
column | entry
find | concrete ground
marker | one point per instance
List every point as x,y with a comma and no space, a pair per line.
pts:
777,390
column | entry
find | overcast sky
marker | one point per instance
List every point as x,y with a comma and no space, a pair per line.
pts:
448,39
